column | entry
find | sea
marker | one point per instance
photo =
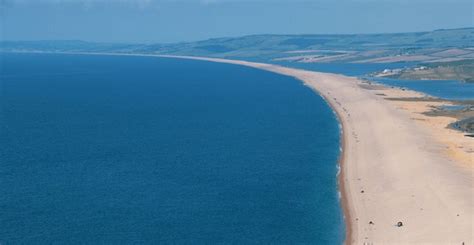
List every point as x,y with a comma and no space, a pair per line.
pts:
100,149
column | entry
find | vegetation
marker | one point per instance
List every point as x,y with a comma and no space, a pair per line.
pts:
456,70
464,125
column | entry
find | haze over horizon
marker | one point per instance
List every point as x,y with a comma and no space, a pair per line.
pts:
166,21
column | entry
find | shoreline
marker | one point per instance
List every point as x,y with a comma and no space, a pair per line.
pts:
342,184
432,190
341,159
344,202
395,165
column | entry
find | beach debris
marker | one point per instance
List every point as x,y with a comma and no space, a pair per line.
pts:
362,191
371,223
399,224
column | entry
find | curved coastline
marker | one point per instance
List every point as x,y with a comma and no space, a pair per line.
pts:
389,162
341,175
345,205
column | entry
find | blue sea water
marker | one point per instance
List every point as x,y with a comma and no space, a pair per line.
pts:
453,107
142,150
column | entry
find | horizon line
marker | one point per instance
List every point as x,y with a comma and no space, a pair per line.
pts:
229,37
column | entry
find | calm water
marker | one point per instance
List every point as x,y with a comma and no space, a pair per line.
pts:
446,89
111,150
453,107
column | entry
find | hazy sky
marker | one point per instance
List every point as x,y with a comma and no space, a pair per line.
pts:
188,20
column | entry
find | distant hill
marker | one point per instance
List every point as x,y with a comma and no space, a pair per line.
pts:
270,44
457,44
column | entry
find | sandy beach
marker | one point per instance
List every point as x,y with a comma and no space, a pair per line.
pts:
397,165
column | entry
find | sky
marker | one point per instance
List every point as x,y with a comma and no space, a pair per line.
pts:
166,21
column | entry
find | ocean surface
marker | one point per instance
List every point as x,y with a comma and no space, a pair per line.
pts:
142,150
